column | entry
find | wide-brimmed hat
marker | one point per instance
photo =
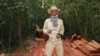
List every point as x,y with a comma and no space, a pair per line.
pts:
52,8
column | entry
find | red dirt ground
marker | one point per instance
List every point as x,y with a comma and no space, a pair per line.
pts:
39,51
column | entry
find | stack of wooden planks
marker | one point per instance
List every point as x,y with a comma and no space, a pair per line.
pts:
91,48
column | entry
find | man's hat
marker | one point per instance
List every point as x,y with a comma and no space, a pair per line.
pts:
52,8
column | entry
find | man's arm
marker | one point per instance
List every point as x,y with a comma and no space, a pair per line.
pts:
61,32
62,28
45,28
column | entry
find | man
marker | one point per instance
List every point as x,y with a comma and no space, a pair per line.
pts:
54,28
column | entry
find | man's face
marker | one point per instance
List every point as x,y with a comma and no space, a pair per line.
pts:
54,12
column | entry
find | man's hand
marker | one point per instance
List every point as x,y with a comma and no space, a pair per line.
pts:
49,31
46,38
60,36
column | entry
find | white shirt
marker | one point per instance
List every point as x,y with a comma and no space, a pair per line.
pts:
48,25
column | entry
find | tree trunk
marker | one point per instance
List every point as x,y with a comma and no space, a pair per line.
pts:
19,29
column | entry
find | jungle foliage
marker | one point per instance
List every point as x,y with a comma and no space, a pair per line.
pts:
18,19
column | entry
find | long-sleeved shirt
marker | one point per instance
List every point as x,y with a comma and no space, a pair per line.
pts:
48,25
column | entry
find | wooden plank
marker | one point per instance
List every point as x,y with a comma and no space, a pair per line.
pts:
95,55
95,42
87,49
84,50
73,45
84,40
98,51
94,45
90,48
78,43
